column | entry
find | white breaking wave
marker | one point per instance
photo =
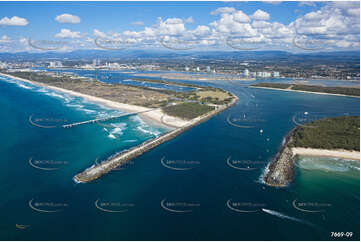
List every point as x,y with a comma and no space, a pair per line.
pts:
144,127
87,110
43,90
24,86
328,164
54,94
18,83
263,174
111,136
75,105
144,130
116,131
129,141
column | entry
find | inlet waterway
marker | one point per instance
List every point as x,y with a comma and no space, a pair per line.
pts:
186,189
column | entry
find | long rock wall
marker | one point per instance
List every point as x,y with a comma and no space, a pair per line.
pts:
281,170
94,172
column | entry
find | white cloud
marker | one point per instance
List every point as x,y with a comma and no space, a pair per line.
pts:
5,39
223,10
139,23
67,33
336,23
13,21
172,26
202,30
67,18
260,24
189,20
98,33
307,3
260,15
273,2
241,17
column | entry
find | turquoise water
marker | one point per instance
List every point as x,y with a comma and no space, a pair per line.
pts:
148,201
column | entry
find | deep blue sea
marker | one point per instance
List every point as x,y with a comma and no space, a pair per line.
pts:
203,185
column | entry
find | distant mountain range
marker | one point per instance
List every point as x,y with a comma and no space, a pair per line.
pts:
148,54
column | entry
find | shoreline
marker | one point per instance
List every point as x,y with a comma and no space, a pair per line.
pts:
280,171
154,115
290,90
178,126
342,154
96,171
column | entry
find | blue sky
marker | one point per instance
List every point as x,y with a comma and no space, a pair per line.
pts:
206,25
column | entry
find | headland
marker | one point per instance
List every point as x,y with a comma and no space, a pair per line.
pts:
337,137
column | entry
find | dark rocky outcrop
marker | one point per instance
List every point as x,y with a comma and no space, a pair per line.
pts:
281,170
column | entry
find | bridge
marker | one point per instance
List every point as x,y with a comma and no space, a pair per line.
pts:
103,119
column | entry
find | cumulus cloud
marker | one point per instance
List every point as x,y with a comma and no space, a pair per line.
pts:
14,21
5,38
171,26
260,15
98,33
67,18
202,30
241,17
336,24
67,33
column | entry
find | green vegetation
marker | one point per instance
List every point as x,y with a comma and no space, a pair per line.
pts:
187,110
187,105
209,95
272,85
329,133
351,91
167,82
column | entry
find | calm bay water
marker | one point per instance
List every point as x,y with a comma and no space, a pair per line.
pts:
147,200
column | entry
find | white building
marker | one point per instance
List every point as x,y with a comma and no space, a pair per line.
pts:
3,65
276,74
55,64
266,74
208,69
96,62
246,72
186,68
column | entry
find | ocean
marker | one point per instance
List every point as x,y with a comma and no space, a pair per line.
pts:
203,185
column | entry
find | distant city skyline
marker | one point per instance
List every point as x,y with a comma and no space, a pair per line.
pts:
290,26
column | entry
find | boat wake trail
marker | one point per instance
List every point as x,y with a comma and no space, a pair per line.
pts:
284,216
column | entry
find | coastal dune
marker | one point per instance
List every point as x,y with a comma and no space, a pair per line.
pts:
155,115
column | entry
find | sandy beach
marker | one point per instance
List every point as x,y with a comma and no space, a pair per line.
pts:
343,154
155,115
291,90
